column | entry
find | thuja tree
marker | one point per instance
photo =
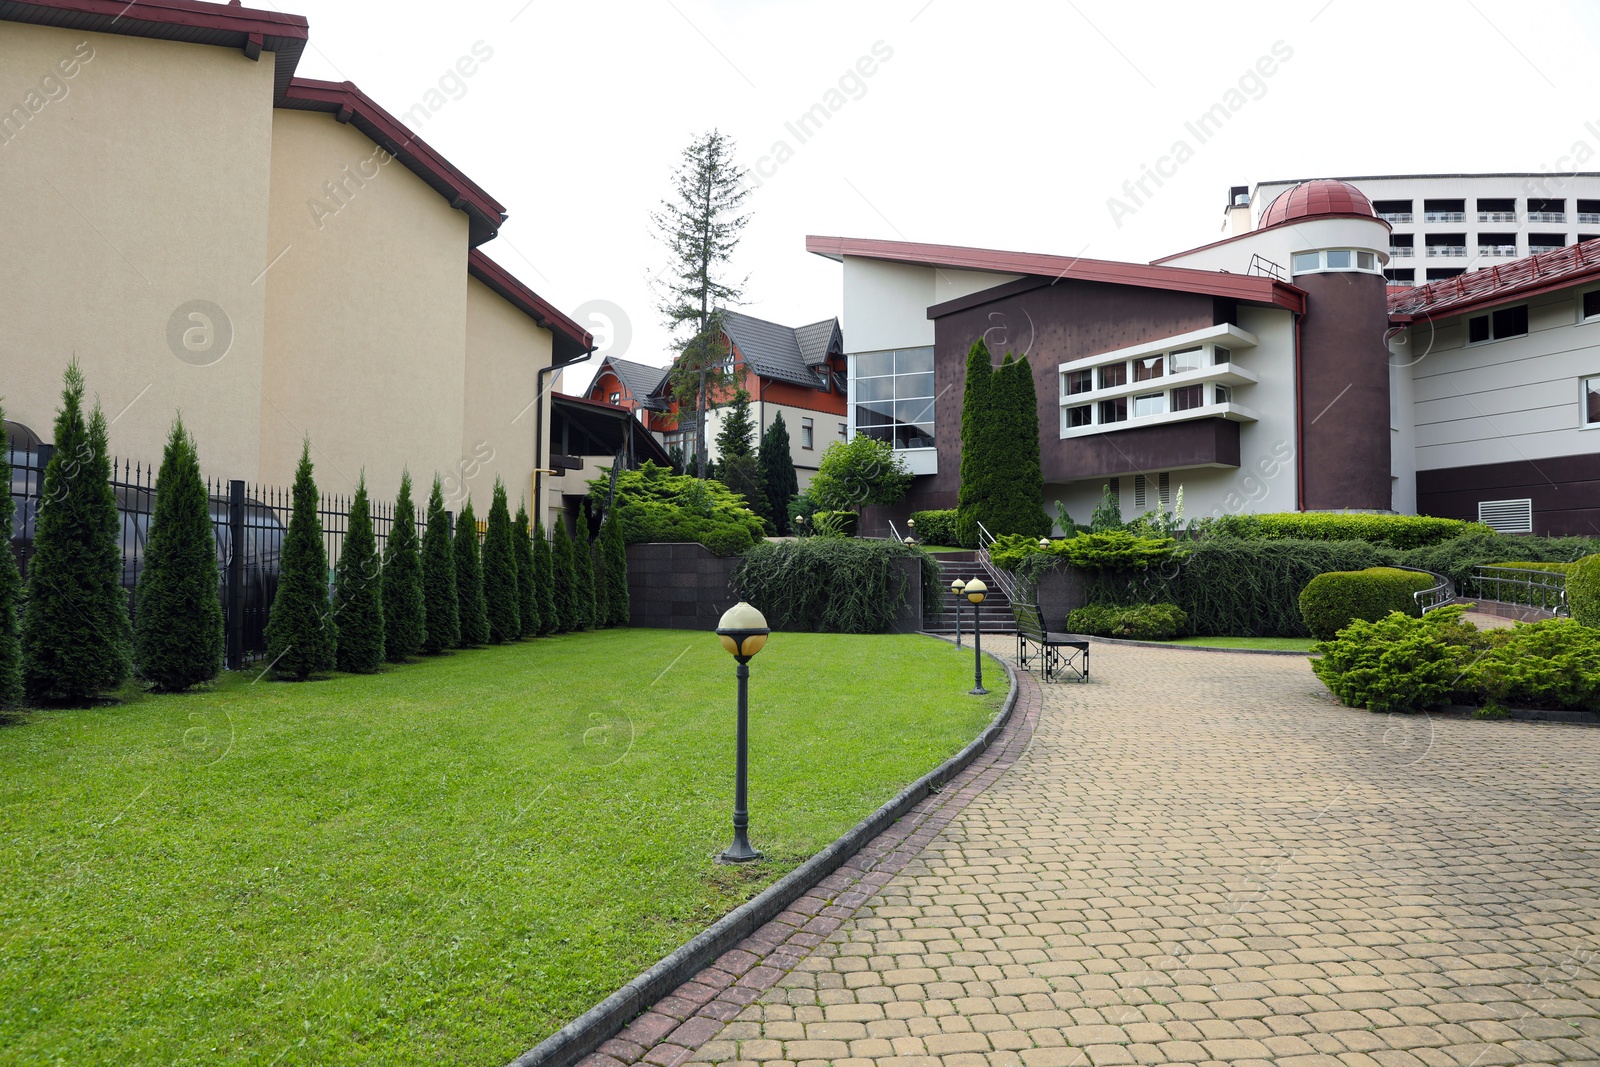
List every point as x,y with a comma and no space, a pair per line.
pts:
544,584
978,420
77,639
500,571
565,580
358,591
10,588
405,613
583,583
615,553
178,640
469,581
1015,503
302,634
441,608
527,597
779,480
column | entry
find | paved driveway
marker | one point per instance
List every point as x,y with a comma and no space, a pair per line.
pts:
1203,858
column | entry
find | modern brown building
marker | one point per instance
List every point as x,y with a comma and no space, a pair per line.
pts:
1271,371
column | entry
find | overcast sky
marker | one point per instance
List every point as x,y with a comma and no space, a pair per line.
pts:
1002,125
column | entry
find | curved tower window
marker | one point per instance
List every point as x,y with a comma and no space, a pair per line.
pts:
1337,260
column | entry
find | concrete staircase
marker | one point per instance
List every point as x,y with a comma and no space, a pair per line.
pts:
997,616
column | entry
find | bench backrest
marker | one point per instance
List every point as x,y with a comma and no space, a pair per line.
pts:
1030,623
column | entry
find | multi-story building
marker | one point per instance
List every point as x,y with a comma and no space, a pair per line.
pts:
1442,225
1274,370
798,372
278,258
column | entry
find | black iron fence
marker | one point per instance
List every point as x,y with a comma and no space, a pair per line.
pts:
248,520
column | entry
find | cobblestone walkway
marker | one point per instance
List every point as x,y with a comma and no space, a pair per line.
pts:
1201,858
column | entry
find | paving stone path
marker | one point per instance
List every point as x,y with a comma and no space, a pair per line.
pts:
1194,858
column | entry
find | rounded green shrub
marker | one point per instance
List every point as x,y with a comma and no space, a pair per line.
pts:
1583,590
1399,663
1142,622
1331,601
935,527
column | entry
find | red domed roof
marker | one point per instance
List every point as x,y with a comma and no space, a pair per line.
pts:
1321,197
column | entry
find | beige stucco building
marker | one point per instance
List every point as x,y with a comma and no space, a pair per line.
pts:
275,257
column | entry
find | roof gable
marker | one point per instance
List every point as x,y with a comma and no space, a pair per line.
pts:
775,351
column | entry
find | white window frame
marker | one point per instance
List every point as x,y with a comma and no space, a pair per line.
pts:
1379,261
1582,320
1583,400
808,434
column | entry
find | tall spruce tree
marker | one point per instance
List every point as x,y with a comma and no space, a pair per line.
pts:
178,637
700,224
474,611
527,594
77,638
565,580
583,585
500,571
10,587
358,591
544,583
302,635
615,552
778,477
439,600
405,614
978,444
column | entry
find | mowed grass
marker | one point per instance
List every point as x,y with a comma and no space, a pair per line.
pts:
443,863
1260,644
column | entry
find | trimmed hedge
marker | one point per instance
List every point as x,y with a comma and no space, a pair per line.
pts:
833,584
656,505
1538,565
1142,622
936,527
1458,558
1396,531
1583,590
1233,587
1331,601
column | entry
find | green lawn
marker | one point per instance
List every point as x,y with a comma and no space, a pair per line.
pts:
440,864
1262,644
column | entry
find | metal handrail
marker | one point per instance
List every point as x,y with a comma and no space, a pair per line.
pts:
1003,579
1546,590
1442,592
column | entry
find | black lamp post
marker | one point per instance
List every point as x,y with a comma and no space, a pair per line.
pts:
743,631
959,588
976,591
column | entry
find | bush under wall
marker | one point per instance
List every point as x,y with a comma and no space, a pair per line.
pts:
1396,531
936,527
1583,590
1331,601
833,584
1142,622
656,505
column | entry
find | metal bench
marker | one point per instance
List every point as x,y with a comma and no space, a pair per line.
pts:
1055,653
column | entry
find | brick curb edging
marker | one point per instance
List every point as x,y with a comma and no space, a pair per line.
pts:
723,969
1202,648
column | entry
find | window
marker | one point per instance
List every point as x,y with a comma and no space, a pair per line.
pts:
616,398
1449,245
1147,368
1115,485
1186,359
807,433
1490,210
1149,404
893,394
1591,401
1591,305
1366,261
1539,242
1223,394
1079,381
1305,261
1221,356
1439,274
1164,489
1188,398
1393,210
1402,245
1114,410
1113,375
1337,259
1497,244
1401,276
1082,415
1588,212
1546,210
844,430
1138,491
1444,211
1506,322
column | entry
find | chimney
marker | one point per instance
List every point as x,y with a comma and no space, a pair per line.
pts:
1236,217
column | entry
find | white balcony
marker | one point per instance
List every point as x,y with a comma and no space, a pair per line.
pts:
1497,216
1589,218
1547,216
1397,252
1395,216
1447,251
1498,251
1444,216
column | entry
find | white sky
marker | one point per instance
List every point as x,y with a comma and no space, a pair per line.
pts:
1004,125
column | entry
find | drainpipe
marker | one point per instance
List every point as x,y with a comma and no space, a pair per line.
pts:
538,431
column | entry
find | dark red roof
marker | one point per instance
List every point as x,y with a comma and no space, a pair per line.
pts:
1546,271
570,341
1324,196
349,104
1249,287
